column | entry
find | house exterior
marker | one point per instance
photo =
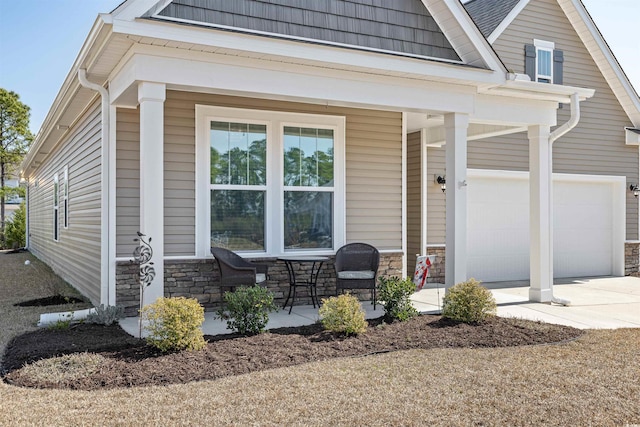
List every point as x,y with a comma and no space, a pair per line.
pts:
589,216
293,127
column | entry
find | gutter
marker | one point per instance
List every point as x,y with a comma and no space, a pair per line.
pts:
105,292
555,135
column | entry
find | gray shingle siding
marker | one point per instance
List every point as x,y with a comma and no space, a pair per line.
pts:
488,14
402,26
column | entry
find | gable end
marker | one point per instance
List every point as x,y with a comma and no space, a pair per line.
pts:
399,26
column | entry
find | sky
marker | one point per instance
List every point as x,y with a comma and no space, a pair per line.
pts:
40,40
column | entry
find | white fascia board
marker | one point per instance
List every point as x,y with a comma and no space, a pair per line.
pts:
603,57
132,9
267,79
296,52
463,34
66,92
632,136
507,21
540,91
502,110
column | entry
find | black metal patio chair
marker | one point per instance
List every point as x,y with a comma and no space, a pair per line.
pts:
236,271
357,267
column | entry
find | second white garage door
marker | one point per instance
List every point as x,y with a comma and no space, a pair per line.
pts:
588,225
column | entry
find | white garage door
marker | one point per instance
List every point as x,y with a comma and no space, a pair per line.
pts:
588,225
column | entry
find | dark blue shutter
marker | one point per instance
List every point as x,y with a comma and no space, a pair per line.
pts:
558,60
530,61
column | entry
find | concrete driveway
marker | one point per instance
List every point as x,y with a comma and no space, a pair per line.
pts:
596,303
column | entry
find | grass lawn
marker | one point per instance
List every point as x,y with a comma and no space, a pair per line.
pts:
594,380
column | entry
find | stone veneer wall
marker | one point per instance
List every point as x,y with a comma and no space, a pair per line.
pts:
436,273
200,279
631,261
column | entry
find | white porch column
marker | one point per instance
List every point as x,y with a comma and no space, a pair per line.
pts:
151,97
455,126
540,214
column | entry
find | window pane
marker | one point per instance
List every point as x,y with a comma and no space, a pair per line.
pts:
308,157
238,153
237,219
308,220
544,62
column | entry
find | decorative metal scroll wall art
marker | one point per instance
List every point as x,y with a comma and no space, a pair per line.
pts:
142,255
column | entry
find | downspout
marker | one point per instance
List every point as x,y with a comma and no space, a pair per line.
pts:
104,199
556,134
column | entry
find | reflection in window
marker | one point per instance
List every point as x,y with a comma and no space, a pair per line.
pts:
308,220
238,153
238,178
237,219
308,157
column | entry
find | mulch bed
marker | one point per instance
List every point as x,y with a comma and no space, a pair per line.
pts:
130,362
47,301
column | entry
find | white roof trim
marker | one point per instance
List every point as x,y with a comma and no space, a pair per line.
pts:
463,34
633,136
297,38
603,57
597,47
507,21
132,9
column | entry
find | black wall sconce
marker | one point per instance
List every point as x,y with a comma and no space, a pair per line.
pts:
634,188
443,182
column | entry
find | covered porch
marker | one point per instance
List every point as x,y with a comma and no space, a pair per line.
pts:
596,303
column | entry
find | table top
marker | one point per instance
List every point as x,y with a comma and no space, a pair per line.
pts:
302,258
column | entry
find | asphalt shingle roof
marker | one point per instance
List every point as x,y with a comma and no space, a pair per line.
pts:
488,14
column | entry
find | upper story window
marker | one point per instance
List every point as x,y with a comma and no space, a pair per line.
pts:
269,183
543,62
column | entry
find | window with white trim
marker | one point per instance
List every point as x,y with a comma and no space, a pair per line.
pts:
65,198
56,208
544,61
269,183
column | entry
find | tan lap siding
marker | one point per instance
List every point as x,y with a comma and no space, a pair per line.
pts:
76,255
435,198
414,198
373,157
127,180
597,145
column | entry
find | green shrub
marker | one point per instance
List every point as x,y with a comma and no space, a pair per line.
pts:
15,229
174,324
106,315
343,314
469,302
247,309
394,293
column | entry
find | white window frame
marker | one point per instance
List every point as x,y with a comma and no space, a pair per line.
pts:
65,198
542,45
56,208
274,201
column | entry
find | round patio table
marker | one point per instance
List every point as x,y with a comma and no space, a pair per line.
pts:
310,281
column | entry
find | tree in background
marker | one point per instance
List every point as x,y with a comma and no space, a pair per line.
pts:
15,139
16,228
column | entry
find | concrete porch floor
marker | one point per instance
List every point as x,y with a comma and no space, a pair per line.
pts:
596,303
